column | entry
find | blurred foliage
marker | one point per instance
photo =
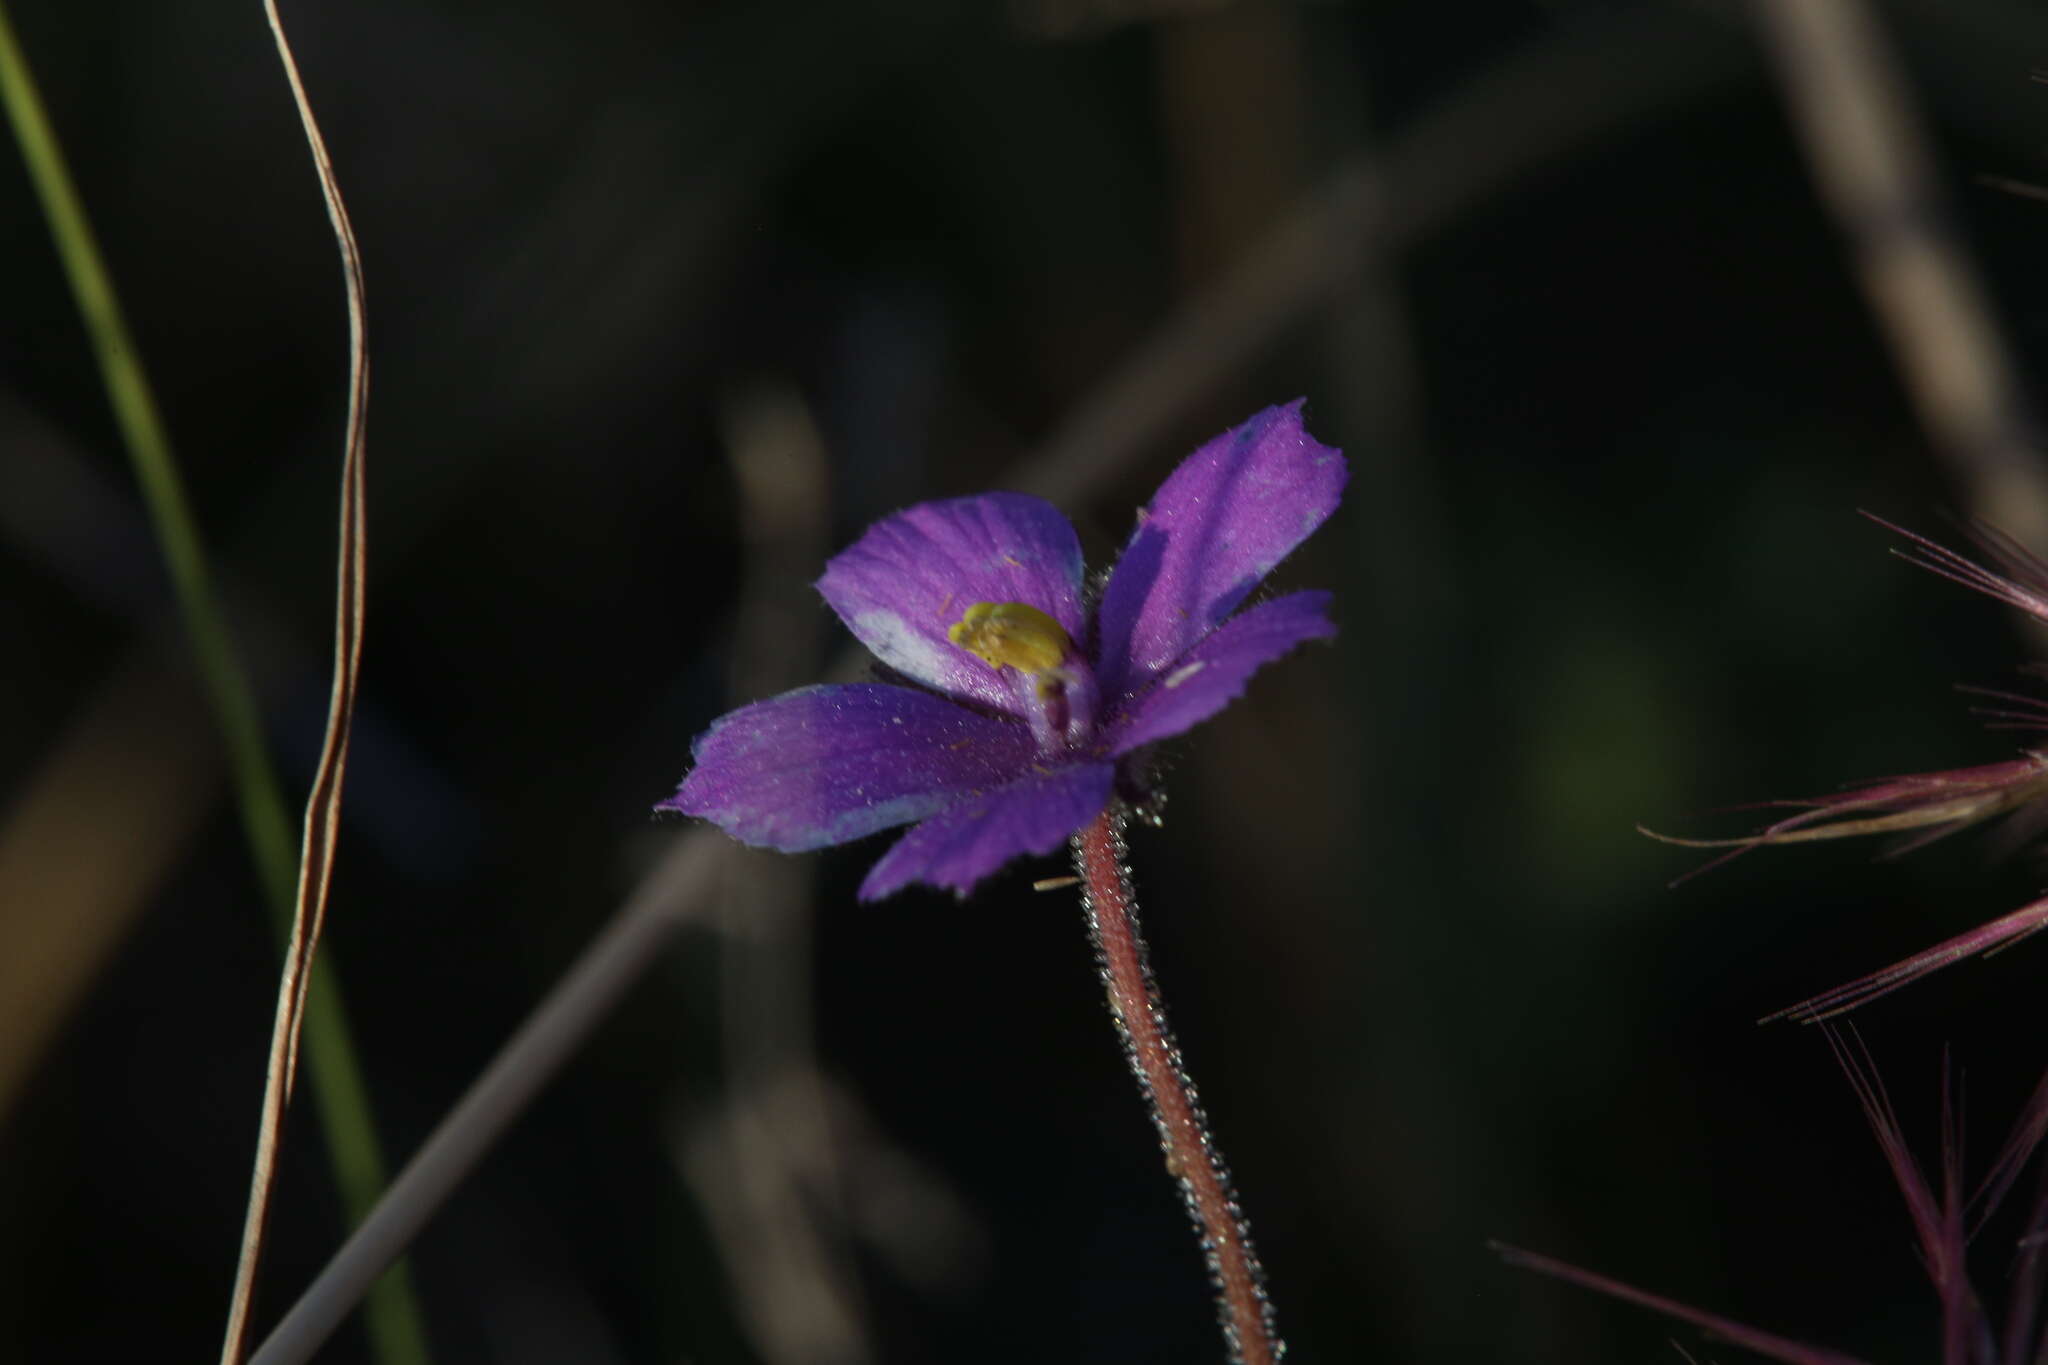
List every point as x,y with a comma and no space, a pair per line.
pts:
1611,419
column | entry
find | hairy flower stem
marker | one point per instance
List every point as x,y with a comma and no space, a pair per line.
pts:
1192,1157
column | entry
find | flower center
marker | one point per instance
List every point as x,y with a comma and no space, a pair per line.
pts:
1011,633
1054,687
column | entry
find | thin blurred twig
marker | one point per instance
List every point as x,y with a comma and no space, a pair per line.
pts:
323,803
788,1168
672,894
1870,158
890,1201
1489,137
798,1299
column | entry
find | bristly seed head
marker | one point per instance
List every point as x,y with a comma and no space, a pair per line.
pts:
1929,805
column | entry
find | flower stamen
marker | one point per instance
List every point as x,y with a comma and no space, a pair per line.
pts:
1013,634
1054,687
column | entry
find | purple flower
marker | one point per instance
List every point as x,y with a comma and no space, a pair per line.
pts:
1027,702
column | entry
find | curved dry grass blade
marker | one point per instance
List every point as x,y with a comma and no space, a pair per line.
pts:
323,804
351,1141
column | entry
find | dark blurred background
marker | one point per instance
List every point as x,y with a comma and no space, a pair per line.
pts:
667,302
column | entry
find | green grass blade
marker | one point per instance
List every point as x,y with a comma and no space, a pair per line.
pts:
340,1099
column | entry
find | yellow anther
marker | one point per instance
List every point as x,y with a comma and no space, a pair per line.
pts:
1011,633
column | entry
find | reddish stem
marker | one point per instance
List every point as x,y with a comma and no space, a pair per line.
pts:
1192,1157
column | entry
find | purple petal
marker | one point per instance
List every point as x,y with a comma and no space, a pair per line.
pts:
958,847
1213,674
1216,527
899,586
827,764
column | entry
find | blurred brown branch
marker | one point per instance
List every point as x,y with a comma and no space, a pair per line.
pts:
1869,154
764,1165
1553,101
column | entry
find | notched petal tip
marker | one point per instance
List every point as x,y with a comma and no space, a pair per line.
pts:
962,845
1218,525
830,764
1215,672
